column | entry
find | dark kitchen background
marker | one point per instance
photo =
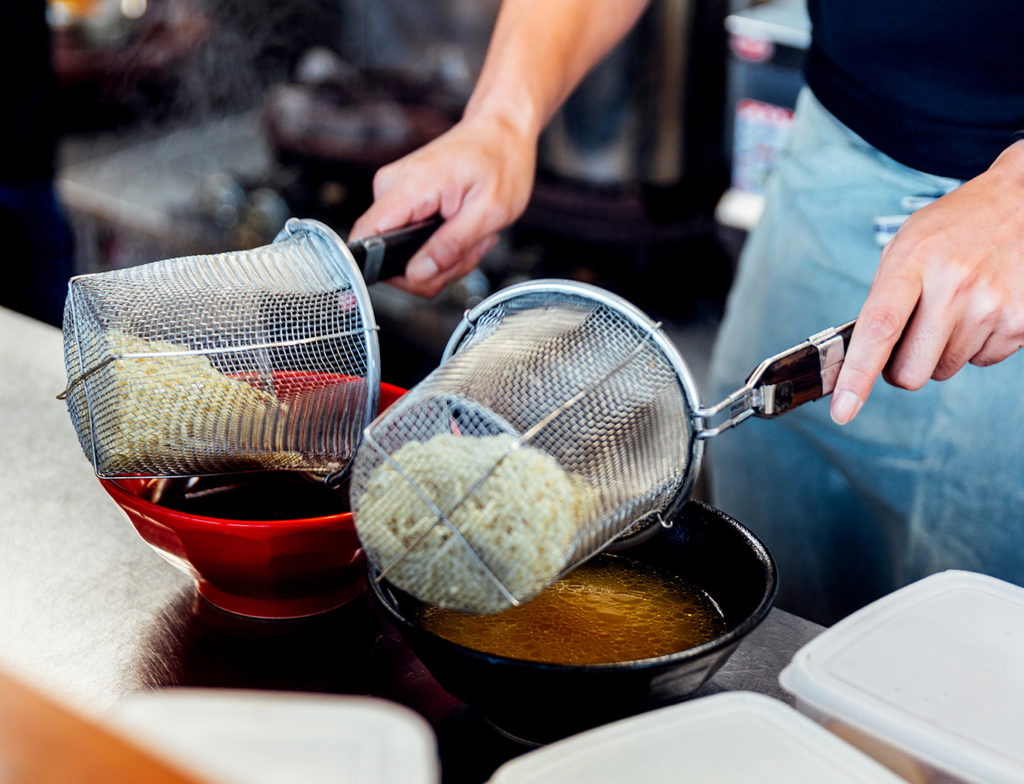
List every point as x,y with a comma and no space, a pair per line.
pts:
198,126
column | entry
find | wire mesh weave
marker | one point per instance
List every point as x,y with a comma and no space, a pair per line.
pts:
260,359
557,423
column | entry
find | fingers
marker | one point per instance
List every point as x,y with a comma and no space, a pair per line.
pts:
405,194
473,216
397,202
1005,338
959,320
434,282
926,317
949,290
923,347
879,327
453,250
967,338
964,343
996,349
477,176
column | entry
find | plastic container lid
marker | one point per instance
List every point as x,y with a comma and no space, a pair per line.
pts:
935,669
234,736
732,737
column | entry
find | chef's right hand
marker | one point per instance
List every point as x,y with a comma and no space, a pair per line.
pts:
477,176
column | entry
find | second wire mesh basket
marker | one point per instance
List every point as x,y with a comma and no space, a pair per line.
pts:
559,418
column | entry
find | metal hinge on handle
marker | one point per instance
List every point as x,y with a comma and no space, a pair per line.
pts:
803,373
740,405
831,344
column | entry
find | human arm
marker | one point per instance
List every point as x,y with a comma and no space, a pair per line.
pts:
949,290
478,176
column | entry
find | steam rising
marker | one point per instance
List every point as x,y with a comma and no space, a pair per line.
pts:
250,45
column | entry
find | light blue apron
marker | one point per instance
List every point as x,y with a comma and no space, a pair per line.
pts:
919,481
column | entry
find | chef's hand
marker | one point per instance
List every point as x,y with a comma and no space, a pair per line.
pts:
477,176
949,290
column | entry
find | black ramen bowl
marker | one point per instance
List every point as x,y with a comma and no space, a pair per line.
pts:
539,703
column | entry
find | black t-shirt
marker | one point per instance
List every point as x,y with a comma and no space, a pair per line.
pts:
28,125
936,84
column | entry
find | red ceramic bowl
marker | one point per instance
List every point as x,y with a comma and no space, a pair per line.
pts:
280,568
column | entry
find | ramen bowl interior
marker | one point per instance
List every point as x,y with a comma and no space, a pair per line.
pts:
540,702
305,559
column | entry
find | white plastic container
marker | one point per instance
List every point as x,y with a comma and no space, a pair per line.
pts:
238,736
727,738
929,679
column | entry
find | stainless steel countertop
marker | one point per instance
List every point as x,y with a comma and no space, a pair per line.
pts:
89,614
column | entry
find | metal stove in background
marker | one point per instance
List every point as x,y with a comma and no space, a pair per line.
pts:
629,169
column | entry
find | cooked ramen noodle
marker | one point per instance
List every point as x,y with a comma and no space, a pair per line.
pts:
515,510
168,402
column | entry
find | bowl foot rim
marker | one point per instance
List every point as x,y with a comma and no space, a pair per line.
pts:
284,608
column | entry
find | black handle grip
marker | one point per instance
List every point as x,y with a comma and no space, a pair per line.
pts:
385,255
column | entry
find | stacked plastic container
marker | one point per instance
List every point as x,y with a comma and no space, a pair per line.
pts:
728,738
928,680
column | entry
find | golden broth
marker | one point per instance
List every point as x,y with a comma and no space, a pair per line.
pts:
610,609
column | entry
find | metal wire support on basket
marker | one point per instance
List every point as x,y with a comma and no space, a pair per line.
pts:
558,420
259,359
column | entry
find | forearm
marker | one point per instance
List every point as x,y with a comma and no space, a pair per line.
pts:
539,52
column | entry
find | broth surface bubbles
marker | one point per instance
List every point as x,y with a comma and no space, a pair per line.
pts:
609,609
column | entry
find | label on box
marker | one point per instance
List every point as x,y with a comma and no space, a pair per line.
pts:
761,130
752,50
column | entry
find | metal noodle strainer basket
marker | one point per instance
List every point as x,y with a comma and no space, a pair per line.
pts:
561,420
250,360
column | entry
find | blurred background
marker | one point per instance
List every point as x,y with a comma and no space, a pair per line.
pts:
197,126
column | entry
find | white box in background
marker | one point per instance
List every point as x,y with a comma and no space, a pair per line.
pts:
929,679
767,45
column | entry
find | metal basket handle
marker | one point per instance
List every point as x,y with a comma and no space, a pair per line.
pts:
781,383
385,255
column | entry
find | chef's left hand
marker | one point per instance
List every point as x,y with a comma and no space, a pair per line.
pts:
949,290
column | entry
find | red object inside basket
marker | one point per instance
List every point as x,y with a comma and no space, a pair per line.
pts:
262,568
